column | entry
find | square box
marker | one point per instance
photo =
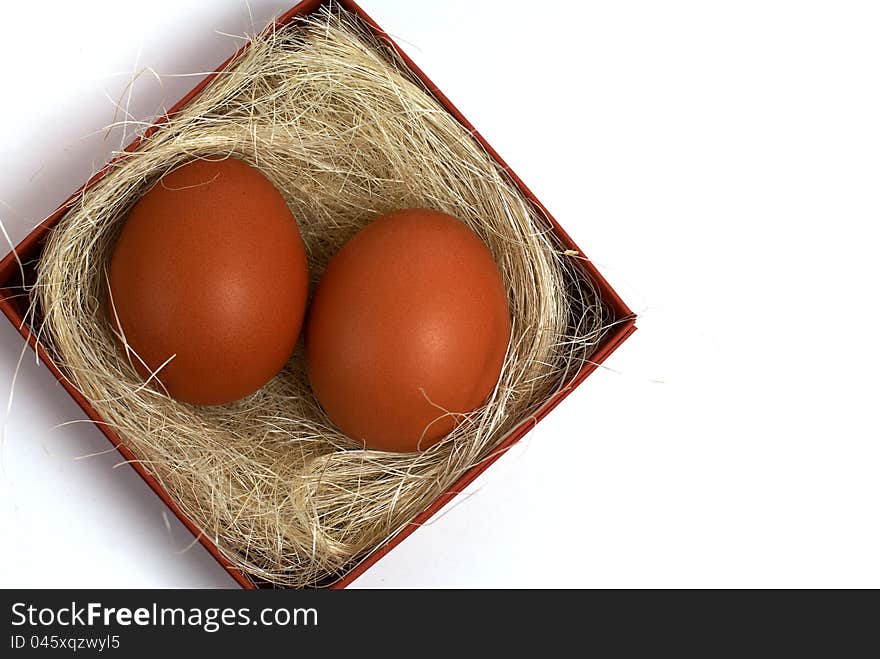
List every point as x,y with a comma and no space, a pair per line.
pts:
14,306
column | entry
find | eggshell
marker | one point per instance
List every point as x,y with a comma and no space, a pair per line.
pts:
210,272
407,329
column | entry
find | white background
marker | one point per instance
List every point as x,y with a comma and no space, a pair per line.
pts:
718,161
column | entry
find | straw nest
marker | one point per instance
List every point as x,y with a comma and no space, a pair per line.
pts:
333,118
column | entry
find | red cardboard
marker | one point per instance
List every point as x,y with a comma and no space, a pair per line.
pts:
14,306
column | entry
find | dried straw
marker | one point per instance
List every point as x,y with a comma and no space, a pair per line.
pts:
335,120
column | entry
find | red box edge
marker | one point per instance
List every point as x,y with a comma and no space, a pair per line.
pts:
625,327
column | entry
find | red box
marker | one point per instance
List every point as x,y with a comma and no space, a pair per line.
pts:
13,306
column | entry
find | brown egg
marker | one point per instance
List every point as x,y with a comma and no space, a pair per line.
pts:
208,281
408,328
